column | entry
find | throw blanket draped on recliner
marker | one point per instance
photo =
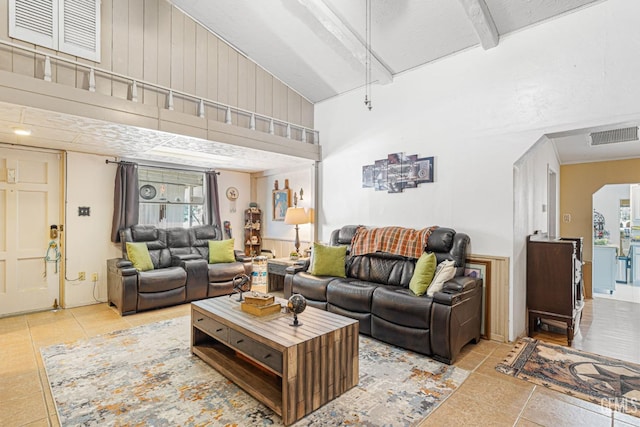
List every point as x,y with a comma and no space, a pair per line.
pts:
407,242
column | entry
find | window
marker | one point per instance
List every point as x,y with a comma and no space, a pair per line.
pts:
69,26
170,198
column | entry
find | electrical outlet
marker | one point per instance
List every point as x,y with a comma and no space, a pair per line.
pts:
94,277
82,275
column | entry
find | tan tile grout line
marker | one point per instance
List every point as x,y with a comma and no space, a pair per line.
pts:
480,363
41,373
44,382
524,406
582,408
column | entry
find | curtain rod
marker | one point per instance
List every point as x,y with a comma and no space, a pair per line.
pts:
107,161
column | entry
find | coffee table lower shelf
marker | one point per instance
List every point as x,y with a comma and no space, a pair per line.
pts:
263,385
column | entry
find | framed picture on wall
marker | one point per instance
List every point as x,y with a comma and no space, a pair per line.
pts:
410,169
394,173
368,176
281,201
380,175
424,169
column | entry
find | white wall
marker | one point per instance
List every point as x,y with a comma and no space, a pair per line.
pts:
88,238
478,112
301,176
530,191
233,211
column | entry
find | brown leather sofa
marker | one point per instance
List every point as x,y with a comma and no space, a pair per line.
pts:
181,270
376,292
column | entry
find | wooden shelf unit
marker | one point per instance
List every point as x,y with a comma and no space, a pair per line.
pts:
252,232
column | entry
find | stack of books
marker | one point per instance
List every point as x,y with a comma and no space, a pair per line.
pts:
259,304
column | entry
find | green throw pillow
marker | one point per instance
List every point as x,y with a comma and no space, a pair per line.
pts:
221,251
328,260
138,254
423,273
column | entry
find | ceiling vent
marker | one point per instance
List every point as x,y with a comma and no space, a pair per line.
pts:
614,136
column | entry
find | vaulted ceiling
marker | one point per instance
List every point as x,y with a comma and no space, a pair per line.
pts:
317,47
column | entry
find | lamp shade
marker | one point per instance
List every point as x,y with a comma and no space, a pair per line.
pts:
296,216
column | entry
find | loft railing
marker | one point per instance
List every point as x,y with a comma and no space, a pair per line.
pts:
274,126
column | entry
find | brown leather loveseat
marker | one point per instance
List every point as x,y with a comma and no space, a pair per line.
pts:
181,271
376,292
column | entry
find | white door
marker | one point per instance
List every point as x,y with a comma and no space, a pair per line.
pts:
29,205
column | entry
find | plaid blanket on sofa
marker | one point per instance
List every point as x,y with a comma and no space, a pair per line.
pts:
407,242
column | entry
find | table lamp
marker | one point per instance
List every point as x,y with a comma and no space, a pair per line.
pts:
296,216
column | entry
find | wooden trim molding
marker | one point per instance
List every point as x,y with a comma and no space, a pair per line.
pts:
496,283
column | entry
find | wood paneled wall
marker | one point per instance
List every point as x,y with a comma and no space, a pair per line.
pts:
496,290
153,41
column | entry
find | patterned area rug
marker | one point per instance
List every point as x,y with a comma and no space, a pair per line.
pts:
148,376
598,379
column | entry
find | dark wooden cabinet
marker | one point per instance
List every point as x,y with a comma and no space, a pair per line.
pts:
554,281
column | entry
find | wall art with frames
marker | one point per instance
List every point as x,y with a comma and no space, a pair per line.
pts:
397,172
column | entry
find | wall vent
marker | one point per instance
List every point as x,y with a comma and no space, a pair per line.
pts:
614,136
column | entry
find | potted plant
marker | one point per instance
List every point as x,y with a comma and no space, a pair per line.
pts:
294,256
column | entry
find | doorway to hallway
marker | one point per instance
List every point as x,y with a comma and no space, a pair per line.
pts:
616,242
607,328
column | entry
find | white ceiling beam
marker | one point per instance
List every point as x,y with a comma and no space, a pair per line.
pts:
347,38
480,17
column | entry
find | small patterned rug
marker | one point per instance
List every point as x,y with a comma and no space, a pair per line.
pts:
148,376
598,379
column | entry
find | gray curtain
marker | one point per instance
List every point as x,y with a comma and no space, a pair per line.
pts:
125,199
213,201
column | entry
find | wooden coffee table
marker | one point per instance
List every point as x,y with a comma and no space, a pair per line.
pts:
292,370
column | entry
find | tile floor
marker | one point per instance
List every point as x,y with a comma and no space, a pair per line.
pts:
485,398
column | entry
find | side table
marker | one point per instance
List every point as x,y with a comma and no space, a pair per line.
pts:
276,272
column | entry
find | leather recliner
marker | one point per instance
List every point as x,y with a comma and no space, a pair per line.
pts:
181,270
219,276
376,292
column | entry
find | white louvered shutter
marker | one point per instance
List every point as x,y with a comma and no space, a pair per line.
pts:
80,28
34,21
69,26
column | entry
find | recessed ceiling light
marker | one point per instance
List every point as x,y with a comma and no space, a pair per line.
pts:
22,131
